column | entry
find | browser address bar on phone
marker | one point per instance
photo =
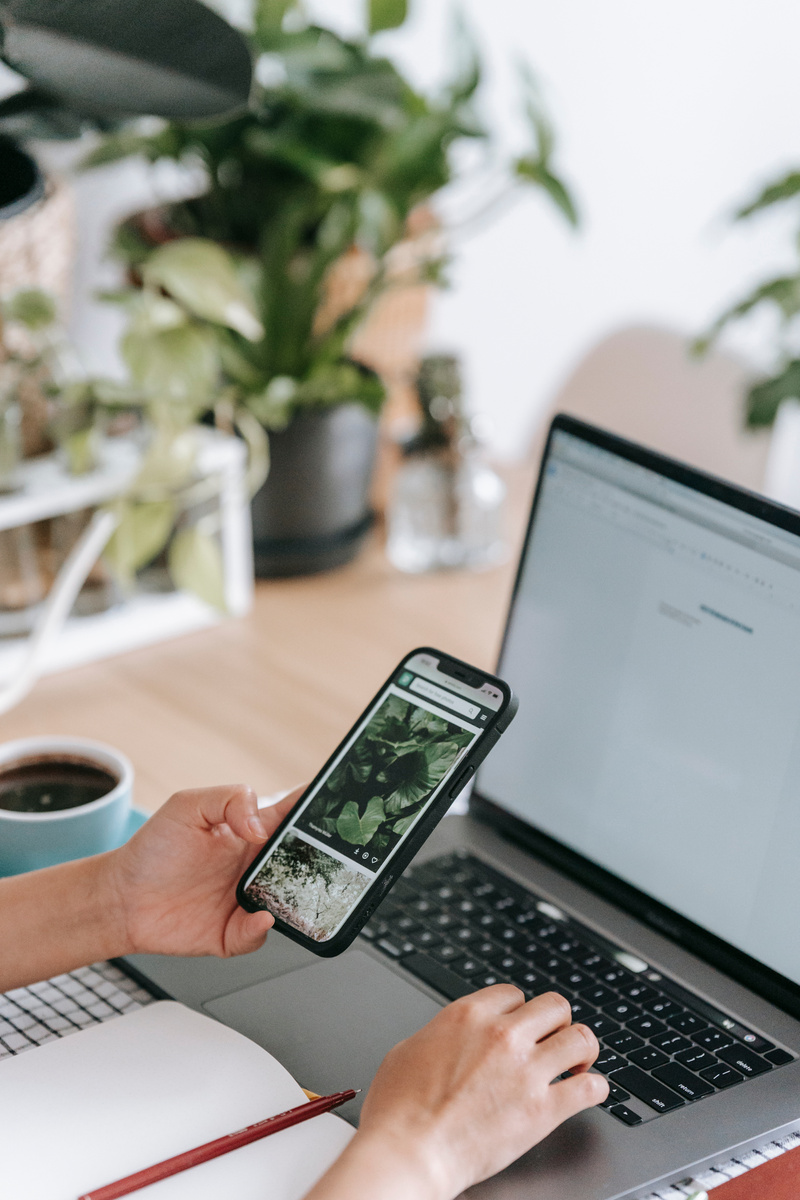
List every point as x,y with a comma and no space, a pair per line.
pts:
425,688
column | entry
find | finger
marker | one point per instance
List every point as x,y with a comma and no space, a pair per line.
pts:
232,804
246,932
571,1049
499,999
572,1095
546,1014
272,815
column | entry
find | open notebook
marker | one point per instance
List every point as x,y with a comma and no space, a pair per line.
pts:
110,1100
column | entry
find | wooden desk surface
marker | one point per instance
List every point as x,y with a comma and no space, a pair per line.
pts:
265,699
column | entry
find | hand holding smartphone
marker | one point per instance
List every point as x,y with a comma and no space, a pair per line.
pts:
376,800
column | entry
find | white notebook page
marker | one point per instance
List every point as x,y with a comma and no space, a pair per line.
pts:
103,1103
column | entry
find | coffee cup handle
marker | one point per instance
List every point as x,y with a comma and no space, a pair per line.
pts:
58,605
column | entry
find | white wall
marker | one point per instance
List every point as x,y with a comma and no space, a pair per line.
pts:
668,115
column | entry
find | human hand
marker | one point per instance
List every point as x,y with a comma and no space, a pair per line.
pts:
467,1095
174,882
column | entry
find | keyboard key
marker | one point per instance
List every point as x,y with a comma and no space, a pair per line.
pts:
467,967
648,1057
568,946
23,1021
508,935
406,924
616,1095
582,1012
638,992
574,979
601,1025
484,948
607,1061
646,1026
623,1042
490,979
684,1082
437,976
671,1042
650,1090
614,976
663,1008
506,963
594,962
531,981
621,1010
744,1060
686,1022
426,939
625,1114
551,964
722,1076
712,1039
779,1057
696,1059
445,953
598,994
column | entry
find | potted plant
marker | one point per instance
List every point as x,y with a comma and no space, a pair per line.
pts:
781,297
327,169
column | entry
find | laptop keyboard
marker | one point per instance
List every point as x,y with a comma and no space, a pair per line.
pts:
54,1008
458,925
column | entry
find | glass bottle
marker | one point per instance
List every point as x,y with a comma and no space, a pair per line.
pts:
447,507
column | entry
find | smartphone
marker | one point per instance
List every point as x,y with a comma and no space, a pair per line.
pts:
379,796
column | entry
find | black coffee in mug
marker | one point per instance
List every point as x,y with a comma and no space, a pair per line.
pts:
51,784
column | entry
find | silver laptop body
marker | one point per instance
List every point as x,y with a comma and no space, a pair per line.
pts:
647,794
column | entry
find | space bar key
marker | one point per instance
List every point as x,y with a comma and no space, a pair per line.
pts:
437,976
661,1098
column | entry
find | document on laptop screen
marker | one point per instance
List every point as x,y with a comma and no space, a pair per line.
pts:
655,648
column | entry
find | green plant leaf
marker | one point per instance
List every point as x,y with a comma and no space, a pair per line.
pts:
178,369
764,400
403,824
142,532
774,193
268,21
201,276
195,564
356,829
30,307
386,14
533,171
106,58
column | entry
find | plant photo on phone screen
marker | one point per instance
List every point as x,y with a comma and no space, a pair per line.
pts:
376,792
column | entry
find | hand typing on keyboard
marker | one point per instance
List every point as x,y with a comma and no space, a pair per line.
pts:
169,890
466,1096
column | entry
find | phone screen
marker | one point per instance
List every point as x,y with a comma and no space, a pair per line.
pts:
388,772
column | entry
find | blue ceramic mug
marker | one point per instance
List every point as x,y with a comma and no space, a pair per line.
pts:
29,840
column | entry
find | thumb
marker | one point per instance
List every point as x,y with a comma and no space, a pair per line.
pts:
246,932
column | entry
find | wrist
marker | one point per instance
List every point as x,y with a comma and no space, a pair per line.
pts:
110,909
396,1167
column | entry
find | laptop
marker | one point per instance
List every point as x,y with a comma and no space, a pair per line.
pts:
633,841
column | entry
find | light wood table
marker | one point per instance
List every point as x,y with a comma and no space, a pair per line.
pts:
266,698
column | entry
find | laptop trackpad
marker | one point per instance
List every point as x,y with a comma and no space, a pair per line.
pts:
330,1024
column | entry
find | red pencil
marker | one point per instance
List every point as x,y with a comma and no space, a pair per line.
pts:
231,1141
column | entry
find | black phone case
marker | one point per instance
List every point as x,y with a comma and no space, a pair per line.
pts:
421,832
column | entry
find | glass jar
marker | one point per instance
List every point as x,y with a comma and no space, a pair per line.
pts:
447,510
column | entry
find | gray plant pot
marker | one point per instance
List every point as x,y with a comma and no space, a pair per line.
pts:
313,512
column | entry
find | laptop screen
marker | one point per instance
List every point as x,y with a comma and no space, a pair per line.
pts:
654,643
